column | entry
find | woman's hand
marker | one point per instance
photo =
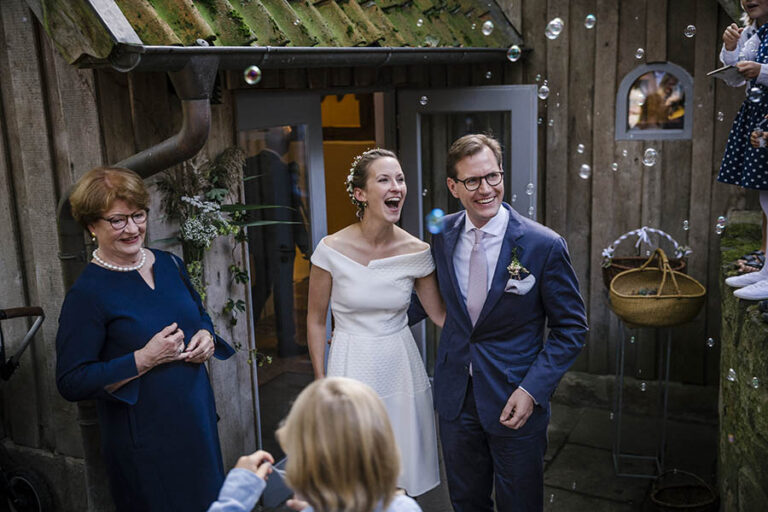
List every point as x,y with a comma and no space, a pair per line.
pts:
259,462
200,347
165,347
748,69
731,36
755,137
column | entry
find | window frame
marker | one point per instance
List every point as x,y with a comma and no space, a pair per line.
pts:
624,133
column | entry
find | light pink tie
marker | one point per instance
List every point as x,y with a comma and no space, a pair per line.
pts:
477,288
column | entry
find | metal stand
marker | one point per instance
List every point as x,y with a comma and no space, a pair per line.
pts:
618,404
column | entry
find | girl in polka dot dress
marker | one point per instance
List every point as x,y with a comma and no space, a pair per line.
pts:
744,165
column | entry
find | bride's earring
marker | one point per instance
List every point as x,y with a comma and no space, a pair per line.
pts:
93,237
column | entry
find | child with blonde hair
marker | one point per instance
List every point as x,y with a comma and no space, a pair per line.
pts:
342,455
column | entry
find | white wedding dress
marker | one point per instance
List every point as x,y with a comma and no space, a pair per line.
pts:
373,344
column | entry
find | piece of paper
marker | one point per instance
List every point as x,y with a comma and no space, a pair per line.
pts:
727,74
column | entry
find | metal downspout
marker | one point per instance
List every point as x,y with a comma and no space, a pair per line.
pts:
193,85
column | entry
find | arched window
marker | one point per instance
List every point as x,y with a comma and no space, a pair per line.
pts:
655,101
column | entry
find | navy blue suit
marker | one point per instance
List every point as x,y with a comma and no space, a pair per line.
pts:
507,349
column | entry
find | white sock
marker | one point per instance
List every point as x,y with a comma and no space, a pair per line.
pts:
764,205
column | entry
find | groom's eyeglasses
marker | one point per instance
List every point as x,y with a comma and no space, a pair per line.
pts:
472,184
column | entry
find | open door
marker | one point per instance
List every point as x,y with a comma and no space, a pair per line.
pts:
281,134
429,121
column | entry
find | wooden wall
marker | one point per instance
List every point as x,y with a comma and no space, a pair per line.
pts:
56,122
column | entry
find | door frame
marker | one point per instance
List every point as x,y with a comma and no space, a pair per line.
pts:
521,101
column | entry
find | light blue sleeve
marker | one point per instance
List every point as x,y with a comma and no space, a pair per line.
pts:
240,492
403,504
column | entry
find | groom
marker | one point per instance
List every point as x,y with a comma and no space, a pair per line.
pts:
504,279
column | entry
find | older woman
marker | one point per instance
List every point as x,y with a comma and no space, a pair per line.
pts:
133,334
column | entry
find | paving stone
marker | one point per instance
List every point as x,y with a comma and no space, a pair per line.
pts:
561,423
591,470
558,500
639,435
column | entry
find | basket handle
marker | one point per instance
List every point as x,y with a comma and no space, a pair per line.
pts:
642,234
664,267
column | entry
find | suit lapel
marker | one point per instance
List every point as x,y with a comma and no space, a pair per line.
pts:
501,275
450,239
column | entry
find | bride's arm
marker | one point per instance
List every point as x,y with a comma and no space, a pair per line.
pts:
320,283
429,296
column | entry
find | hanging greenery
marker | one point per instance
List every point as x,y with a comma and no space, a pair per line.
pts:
201,196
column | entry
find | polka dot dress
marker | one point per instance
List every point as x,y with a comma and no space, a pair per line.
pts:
742,164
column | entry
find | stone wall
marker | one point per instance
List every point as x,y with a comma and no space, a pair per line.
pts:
743,445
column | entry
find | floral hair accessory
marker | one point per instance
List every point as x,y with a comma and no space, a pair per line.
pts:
516,270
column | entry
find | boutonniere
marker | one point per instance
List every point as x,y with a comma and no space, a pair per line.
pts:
516,270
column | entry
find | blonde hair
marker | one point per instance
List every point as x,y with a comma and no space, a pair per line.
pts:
99,188
342,455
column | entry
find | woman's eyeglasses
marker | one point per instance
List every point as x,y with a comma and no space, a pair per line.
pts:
472,184
120,221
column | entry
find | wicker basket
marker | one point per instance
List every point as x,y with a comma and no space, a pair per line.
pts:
677,298
619,265
613,266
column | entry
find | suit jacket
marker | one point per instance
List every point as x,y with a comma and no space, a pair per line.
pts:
507,345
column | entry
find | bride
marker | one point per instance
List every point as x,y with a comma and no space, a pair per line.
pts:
367,272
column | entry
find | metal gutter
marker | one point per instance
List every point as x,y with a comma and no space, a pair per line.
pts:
166,58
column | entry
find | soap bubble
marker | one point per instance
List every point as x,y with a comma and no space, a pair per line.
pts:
488,75
252,75
720,116
538,77
624,153
514,198
689,31
551,498
531,211
631,339
573,486
424,193
514,53
529,188
649,157
585,171
551,122
731,439
419,22
435,221
614,166
487,28
755,94
554,28
590,21
721,219
686,225
474,26
639,53
539,121
719,229
643,386
423,101
544,91
731,375
710,342
297,22
580,148
755,382
610,416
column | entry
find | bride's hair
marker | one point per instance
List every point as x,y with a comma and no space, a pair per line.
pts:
358,174
341,451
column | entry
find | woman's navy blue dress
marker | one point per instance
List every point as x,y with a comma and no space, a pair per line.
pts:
158,432
742,164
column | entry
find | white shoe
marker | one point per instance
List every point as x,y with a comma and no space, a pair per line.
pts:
756,291
744,279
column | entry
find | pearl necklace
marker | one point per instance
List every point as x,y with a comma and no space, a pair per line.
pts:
118,268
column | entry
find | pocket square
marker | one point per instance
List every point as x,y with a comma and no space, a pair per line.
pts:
520,286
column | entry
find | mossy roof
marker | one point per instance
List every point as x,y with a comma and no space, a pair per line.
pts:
299,23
